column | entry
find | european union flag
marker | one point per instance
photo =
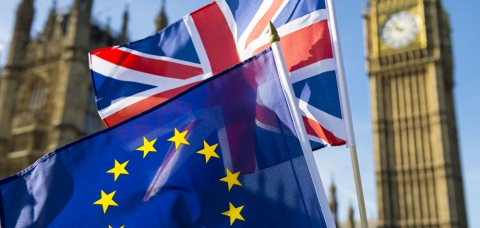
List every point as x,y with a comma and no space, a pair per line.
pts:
223,154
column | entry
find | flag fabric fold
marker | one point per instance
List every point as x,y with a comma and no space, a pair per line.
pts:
131,78
221,154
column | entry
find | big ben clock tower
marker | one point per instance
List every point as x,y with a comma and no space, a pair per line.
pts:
417,161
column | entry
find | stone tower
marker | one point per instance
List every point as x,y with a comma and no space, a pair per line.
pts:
11,73
46,98
161,22
417,164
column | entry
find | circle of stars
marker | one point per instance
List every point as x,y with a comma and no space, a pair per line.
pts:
179,138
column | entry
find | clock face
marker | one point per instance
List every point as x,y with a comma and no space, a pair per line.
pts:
399,30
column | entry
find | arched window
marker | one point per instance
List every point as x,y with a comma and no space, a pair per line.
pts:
38,96
91,119
31,106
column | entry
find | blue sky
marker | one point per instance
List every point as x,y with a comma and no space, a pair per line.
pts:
332,162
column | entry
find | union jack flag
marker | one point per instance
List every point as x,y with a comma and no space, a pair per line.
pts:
131,78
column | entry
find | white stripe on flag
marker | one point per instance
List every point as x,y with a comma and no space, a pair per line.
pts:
242,41
286,29
163,58
331,123
197,43
302,22
161,84
227,13
313,69
317,139
112,70
127,101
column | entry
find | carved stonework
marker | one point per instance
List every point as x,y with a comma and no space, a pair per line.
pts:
22,142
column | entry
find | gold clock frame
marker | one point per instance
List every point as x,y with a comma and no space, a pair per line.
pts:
382,11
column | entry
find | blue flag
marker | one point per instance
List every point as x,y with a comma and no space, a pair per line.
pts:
222,154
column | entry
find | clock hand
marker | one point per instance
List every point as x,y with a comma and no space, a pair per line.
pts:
397,27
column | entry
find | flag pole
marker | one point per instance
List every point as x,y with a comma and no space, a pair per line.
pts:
345,104
299,126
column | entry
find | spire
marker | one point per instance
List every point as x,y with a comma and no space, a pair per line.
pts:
82,6
161,22
21,32
351,221
50,25
333,201
108,30
123,36
79,23
333,197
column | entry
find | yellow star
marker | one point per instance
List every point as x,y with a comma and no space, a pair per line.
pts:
147,146
234,213
208,151
118,169
231,179
179,138
106,200
112,227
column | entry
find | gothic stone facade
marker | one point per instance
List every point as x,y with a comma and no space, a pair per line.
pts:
417,165
46,98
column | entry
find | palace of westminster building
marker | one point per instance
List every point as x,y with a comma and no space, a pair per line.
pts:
46,101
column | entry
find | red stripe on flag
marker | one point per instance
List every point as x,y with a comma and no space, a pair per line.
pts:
266,116
242,154
305,46
263,22
148,65
144,105
216,37
315,129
